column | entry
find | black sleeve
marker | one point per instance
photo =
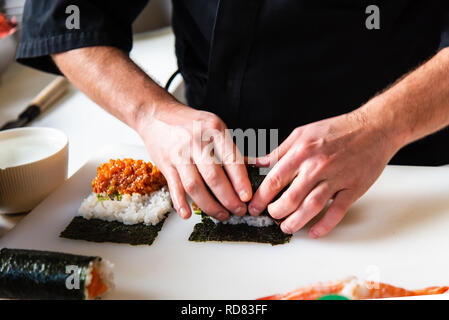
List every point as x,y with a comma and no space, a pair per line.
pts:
102,23
444,42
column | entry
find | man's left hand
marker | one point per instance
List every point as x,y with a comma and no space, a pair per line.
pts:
337,158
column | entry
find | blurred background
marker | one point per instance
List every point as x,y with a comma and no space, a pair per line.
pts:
156,15
153,51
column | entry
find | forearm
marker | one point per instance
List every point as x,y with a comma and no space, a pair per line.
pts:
414,107
111,79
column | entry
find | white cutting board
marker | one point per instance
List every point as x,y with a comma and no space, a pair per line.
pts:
397,233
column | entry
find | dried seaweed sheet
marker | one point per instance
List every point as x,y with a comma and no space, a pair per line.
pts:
32,274
207,230
97,230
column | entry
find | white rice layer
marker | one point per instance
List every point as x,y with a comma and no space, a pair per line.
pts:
104,268
259,221
131,209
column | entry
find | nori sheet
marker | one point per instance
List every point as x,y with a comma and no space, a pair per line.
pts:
33,274
208,230
97,230
254,177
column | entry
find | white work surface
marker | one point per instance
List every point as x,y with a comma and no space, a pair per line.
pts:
397,233
87,126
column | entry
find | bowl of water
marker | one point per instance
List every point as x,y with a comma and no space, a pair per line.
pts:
33,163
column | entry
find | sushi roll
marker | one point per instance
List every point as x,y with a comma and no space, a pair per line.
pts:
129,203
262,229
32,274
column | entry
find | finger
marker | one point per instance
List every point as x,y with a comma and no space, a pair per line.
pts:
334,214
177,192
234,164
275,155
216,179
278,177
292,197
249,160
311,206
193,184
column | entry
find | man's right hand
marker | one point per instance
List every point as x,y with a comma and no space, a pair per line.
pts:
182,142
193,149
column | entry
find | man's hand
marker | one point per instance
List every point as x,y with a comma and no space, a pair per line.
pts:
179,139
340,158
185,144
337,158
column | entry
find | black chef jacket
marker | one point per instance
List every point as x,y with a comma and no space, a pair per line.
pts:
266,63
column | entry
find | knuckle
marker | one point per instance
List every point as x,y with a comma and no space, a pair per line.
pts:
181,152
229,158
191,186
211,177
274,182
319,165
319,143
297,131
308,146
290,200
298,151
313,204
211,121
325,190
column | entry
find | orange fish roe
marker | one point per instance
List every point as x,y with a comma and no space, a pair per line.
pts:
128,176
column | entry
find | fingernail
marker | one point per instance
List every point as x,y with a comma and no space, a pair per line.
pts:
222,216
253,211
244,196
241,210
285,229
183,213
314,234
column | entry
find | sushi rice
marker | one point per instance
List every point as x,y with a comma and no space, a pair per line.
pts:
104,268
259,221
148,209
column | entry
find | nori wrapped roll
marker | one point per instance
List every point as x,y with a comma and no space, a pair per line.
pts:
208,230
97,230
32,274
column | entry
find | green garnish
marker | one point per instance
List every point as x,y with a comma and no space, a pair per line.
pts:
102,197
113,196
116,196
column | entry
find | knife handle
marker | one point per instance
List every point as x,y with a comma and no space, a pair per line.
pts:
50,94
30,113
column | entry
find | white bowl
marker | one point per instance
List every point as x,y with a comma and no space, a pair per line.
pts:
33,163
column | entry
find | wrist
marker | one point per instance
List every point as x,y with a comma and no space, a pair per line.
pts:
379,118
145,113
